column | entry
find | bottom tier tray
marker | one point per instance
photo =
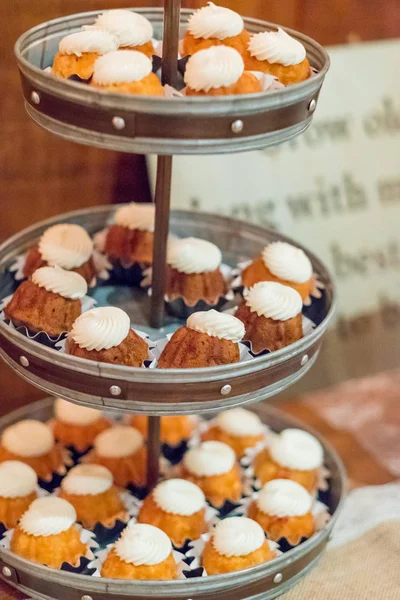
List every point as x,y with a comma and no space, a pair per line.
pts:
263,582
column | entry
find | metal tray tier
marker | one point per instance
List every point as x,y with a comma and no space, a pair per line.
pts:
266,581
161,125
161,391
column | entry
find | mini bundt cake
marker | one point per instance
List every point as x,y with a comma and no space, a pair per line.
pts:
238,428
210,338
18,489
128,72
130,238
174,429
132,30
77,426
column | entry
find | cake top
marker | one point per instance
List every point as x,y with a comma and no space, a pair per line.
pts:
179,497
48,516
215,67
101,328
297,449
273,300
277,47
73,414
16,479
284,498
237,536
216,22
142,544
130,28
67,284
121,66
193,255
216,324
209,458
136,216
88,480
118,441
287,262
28,438
240,422
65,245
92,40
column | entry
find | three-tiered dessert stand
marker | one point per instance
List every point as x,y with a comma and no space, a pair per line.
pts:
164,126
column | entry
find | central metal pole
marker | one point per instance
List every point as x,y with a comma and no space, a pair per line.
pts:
153,452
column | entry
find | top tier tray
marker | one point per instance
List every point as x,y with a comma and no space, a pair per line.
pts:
161,125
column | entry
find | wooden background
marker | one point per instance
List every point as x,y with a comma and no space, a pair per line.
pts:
42,175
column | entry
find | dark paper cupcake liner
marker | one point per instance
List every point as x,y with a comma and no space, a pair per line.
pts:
107,535
139,492
82,568
174,454
131,275
178,307
38,336
79,79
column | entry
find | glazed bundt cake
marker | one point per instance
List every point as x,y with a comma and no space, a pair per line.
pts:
130,238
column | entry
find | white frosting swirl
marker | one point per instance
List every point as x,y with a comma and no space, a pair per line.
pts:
16,479
215,67
48,516
65,245
28,438
73,414
239,422
101,328
209,458
237,536
130,28
287,262
273,300
192,255
216,22
136,216
142,544
277,47
220,325
297,449
179,497
92,40
67,284
118,441
88,480
284,498
122,66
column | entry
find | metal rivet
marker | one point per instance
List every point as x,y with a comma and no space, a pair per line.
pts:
237,126
226,389
278,578
304,360
86,597
24,361
115,390
35,97
6,571
312,106
118,123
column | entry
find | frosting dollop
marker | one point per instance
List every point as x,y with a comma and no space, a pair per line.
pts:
237,536
142,544
121,66
220,325
136,216
92,40
28,438
130,28
215,67
287,262
87,480
273,300
179,497
213,21
65,245
240,422
118,441
48,516
193,255
101,328
209,458
277,47
67,284
297,449
73,414
284,498
16,479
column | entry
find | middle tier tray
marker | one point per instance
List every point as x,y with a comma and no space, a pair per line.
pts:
162,391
